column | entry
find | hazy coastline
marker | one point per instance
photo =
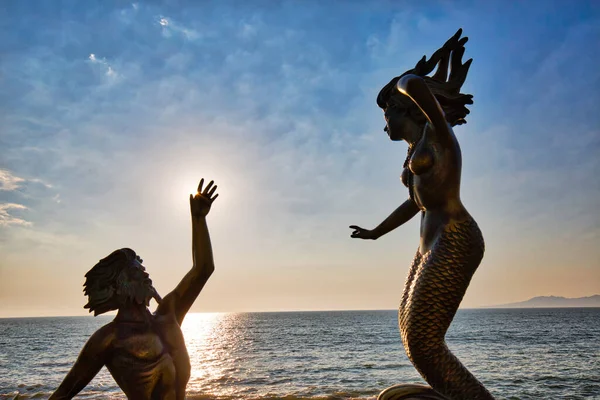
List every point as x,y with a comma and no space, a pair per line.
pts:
553,302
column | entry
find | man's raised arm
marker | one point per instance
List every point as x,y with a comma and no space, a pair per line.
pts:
183,296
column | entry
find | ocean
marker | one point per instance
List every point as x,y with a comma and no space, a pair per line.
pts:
516,353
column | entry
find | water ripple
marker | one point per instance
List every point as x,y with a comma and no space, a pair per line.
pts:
517,354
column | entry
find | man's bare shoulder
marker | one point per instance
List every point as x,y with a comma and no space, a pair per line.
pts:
165,312
104,337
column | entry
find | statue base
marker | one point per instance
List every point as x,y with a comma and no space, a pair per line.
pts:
410,391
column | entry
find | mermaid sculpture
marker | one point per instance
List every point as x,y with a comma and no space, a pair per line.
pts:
422,110
145,353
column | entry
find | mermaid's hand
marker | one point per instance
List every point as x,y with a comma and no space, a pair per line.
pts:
362,233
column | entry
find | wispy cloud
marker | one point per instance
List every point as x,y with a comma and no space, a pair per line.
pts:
8,181
171,27
6,219
108,69
11,182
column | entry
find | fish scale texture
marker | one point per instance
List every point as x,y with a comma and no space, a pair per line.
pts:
435,286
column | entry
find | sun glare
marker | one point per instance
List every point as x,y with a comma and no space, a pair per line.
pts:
190,186
187,183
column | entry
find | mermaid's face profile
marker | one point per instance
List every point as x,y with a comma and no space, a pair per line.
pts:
399,123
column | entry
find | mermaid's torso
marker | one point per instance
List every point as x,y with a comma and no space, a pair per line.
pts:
432,174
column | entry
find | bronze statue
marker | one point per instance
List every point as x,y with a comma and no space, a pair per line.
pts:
145,353
422,110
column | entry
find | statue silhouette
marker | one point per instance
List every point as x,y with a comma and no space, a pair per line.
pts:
145,353
422,110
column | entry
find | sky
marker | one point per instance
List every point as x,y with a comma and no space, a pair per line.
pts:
111,112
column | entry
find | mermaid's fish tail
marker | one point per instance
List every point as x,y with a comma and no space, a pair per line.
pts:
435,287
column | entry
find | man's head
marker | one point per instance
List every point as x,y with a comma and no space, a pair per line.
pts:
117,280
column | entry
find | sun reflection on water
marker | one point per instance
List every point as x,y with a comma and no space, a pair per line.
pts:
323,355
211,340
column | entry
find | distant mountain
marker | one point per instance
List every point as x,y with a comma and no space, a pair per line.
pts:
554,301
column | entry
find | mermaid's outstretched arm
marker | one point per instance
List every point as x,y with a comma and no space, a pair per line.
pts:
399,216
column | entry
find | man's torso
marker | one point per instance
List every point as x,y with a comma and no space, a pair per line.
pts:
149,360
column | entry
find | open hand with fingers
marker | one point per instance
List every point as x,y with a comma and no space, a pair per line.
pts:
362,233
200,202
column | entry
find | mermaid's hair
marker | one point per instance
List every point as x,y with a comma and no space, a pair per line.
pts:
445,88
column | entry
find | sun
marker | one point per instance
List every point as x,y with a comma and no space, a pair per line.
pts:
186,183
189,185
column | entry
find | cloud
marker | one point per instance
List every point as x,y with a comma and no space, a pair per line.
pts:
108,71
15,191
8,181
11,182
7,219
170,28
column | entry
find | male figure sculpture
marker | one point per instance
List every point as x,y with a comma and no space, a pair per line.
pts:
145,353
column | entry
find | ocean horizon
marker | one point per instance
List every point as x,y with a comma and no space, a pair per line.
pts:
527,353
506,306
